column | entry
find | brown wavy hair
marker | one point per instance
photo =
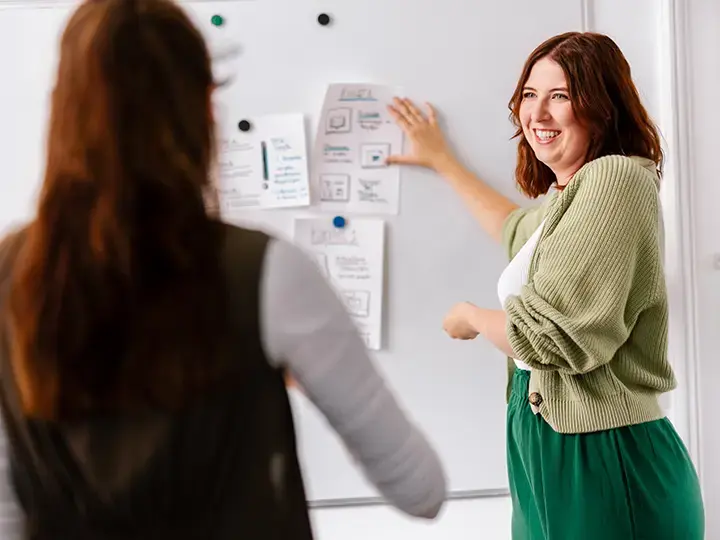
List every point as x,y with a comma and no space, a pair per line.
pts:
117,296
604,99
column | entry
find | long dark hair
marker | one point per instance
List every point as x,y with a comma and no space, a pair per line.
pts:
117,297
604,99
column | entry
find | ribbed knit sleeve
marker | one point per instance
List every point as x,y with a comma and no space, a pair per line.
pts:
594,273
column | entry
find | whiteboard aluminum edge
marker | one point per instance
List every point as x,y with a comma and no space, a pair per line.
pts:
380,501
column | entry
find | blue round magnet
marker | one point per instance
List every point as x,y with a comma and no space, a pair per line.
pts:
339,222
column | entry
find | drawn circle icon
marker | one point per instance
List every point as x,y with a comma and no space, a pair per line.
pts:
244,125
323,19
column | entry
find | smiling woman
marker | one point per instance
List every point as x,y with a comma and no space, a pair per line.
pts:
585,311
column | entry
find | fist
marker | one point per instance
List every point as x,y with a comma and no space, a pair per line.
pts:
457,322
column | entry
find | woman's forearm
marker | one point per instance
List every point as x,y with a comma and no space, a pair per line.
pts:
490,323
489,207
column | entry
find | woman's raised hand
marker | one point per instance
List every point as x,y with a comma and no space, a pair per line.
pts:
428,146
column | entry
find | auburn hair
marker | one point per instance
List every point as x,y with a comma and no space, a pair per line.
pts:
604,99
117,297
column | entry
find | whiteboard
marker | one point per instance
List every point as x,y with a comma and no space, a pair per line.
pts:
464,56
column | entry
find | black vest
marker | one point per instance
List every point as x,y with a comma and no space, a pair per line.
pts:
225,469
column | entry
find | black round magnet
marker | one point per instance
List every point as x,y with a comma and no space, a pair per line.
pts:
323,19
244,125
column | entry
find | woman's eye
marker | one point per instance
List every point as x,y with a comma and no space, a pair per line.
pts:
560,96
528,94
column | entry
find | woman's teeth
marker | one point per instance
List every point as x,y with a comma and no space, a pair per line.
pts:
546,135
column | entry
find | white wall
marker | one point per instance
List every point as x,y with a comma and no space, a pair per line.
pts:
704,68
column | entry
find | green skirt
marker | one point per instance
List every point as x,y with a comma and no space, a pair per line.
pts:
629,483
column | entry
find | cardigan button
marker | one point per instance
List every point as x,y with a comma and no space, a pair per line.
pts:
535,399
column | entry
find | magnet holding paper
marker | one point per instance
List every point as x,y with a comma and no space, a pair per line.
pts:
324,19
217,20
244,125
339,222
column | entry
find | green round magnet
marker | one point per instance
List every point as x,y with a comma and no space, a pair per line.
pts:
217,20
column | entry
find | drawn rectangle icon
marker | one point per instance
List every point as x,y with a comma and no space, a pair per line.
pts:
357,303
339,120
335,187
373,155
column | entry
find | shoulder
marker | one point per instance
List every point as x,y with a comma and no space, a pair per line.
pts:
243,246
618,177
613,193
235,234
281,260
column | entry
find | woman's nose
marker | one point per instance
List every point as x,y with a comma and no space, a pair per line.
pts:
540,112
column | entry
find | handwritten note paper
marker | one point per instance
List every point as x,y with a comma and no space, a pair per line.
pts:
265,167
352,258
355,135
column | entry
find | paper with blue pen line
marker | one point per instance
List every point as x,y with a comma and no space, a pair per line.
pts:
352,259
266,167
355,134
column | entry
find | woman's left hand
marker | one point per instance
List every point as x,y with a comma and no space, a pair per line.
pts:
457,322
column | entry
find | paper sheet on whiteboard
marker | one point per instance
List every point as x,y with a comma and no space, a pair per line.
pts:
265,167
354,136
352,259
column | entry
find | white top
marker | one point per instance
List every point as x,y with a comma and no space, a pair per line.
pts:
515,276
306,327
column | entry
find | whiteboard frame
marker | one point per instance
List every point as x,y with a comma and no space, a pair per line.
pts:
380,501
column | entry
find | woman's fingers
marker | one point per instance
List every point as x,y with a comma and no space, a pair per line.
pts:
408,111
399,117
432,115
415,115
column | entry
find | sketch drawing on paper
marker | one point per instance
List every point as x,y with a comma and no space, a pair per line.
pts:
339,120
335,187
357,94
266,168
338,153
341,159
280,144
351,258
373,155
357,303
333,237
233,145
369,120
368,191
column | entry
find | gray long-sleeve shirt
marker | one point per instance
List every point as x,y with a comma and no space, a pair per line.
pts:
306,328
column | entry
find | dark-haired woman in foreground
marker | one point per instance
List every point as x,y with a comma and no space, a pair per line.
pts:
591,454
143,343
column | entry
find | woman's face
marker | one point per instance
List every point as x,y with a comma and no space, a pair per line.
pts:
549,123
